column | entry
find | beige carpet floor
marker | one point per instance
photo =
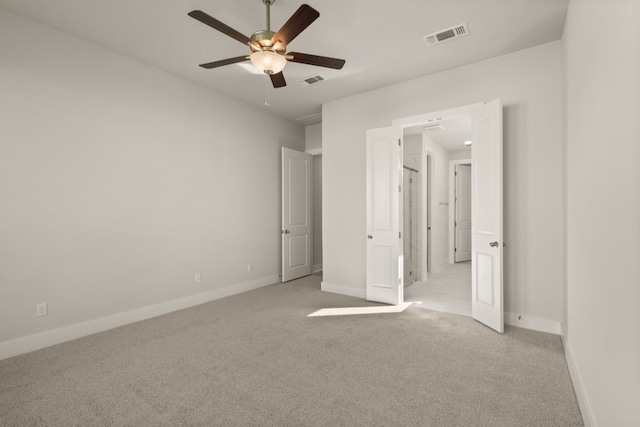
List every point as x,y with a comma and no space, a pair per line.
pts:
257,359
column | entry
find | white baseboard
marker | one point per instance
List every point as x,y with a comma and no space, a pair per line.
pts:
45,339
534,323
316,268
343,290
581,395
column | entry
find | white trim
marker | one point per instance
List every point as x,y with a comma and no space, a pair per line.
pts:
45,339
533,323
344,290
427,202
578,387
452,204
316,268
436,116
314,151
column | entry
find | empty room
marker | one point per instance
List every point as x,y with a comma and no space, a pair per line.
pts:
245,212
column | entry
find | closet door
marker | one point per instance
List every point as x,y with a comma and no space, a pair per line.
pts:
385,264
296,214
486,224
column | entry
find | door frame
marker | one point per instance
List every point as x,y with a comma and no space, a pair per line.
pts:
487,112
428,164
427,212
407,237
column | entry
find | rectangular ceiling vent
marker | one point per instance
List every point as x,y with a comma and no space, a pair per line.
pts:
311,80
431,128
448,34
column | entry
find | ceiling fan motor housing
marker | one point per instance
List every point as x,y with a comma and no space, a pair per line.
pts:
263,38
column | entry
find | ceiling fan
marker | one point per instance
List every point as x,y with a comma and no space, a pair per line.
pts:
268,48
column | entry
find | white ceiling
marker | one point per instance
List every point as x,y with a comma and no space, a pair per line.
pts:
451,137
381,41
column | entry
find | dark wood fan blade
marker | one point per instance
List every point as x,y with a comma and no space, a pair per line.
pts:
223,28
301,19
278,80
320,61
222,62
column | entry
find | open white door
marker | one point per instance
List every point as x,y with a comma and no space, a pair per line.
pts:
462,213
384,215
296,214
486,224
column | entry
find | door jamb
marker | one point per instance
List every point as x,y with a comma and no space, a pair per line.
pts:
427,211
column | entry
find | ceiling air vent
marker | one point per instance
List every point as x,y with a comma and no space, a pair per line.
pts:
431,128
448,34
311,80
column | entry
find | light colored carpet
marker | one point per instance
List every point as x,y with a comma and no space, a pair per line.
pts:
258,359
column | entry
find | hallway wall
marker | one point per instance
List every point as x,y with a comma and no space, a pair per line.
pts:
529,84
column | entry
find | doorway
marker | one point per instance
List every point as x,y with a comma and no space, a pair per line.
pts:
384,209
446,284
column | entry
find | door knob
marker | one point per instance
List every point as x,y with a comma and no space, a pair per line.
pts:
369,236
285,231
493,244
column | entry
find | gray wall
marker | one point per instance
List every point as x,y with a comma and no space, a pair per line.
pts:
118,183
602,197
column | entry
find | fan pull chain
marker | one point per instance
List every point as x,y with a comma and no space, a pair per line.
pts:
267,82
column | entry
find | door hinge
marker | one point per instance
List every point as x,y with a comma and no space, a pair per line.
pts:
399,142
400,188
410,181
399,234
455,249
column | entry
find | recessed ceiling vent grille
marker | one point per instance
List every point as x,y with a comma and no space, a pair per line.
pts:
448,34
431,128
311,80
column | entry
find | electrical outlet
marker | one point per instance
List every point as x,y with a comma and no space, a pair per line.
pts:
197,278
42,309
250,267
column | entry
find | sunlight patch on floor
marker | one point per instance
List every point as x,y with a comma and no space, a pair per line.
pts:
349,311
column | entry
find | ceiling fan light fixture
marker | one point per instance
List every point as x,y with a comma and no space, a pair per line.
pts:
268,62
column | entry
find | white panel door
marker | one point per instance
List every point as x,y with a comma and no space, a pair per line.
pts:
296,214
463,213
486,224
384,215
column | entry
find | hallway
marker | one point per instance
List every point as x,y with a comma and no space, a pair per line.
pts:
448,291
